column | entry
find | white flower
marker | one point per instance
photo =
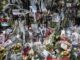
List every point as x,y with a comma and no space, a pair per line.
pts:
18,36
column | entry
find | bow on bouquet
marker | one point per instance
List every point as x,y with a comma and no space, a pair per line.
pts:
17,48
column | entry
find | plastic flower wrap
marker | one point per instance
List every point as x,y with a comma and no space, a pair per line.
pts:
17,47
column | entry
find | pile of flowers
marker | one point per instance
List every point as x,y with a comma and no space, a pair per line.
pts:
63,48
60,46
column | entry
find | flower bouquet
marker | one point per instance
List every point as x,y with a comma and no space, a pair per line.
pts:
63,50
2,52
63,55
17,48
29,55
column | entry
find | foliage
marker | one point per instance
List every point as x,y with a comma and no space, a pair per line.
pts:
49,47
55,37
53,24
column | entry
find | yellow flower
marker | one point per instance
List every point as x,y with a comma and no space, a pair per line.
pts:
64,53
75,48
